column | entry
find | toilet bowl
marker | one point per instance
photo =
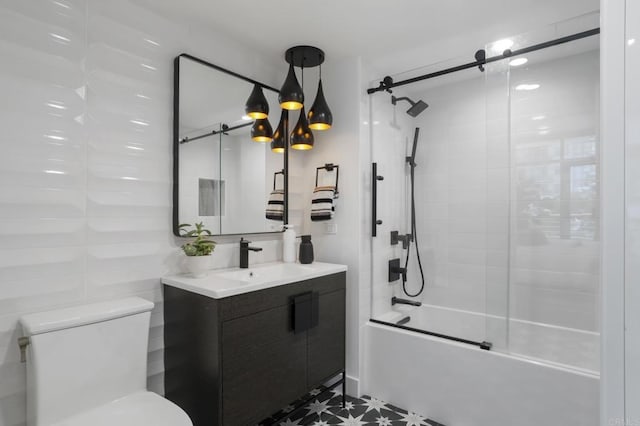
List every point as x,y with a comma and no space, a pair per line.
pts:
87,365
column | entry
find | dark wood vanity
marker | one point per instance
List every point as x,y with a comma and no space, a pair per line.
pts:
237,360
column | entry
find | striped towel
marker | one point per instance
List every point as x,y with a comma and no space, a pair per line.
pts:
275,206
323,203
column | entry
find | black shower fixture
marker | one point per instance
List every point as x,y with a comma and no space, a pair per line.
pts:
416,107
386,84
481,59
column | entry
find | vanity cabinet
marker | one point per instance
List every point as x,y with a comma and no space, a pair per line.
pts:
237,360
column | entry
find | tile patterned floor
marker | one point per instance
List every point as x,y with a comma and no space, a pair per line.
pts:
326,410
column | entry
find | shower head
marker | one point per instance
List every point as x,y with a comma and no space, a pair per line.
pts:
416,107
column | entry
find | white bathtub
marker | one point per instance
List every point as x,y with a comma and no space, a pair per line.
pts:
462,385
562,346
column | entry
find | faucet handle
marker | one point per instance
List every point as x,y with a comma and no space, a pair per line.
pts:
243,241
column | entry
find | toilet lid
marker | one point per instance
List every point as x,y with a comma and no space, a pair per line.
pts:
141,408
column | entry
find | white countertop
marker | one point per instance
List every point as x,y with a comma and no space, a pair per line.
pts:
221,283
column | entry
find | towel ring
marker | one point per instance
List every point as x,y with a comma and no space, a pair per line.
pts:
329,167
281,172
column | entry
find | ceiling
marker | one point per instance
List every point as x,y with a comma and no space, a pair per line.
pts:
367,28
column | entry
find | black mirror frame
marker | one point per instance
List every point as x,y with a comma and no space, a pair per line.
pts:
176,140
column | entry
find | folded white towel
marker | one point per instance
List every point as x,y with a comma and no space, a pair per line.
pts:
275,206
323,203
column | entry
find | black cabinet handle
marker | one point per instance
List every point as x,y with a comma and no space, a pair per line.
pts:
374,199
305,311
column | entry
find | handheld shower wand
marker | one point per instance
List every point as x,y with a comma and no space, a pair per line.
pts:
413,236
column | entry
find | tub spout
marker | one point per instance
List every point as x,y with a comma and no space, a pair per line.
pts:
398,301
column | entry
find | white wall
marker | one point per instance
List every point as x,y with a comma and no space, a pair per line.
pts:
339,145
616,29
632,179
85,194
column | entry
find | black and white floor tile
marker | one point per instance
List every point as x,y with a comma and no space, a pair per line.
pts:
327,410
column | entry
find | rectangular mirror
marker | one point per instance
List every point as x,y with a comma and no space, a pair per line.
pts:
221,176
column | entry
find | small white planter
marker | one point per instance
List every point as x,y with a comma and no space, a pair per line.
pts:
197,266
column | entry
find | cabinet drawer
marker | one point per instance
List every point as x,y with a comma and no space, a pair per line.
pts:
245,304
264,365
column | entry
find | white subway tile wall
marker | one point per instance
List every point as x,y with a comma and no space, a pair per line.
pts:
85,175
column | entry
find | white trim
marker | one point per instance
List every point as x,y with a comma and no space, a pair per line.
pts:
612,210
353,386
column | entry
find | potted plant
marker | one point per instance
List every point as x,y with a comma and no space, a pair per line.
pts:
199,250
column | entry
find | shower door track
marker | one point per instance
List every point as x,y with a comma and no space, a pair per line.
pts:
507,54
482,345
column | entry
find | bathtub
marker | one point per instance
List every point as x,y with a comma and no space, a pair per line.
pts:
462,385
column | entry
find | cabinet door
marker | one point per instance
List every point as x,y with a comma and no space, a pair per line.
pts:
327,340
264,365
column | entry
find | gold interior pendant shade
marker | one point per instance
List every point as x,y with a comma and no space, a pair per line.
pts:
291,96
320,117
278,142
261,131
257,106
302,137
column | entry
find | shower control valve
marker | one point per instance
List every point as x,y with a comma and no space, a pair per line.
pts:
396,271
396,238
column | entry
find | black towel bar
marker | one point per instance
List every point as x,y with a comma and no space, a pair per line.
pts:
281,172
329,167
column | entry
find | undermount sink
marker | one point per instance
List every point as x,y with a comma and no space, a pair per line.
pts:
265,273
229,282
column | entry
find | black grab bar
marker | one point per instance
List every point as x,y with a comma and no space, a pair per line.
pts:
374,199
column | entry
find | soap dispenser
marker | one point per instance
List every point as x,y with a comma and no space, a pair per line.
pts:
306,250
289,244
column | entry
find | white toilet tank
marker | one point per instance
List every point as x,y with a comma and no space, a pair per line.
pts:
81,357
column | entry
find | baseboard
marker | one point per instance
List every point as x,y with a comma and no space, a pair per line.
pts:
353,386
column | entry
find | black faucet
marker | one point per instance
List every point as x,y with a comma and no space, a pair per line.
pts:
398,301
244,252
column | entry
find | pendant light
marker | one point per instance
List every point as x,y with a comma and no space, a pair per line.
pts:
278,142
301,137
261,131
257,106
320,117
291,95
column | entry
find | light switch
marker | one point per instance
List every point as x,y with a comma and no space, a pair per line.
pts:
331,228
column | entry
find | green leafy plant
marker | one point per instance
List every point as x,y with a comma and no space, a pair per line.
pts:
201,245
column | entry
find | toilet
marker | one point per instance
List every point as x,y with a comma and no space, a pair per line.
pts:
87,365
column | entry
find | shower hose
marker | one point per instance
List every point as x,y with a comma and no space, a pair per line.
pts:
414,238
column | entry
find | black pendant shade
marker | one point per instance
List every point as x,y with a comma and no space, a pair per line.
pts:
257,106
278,142
261,131
291,95
320,117
301,137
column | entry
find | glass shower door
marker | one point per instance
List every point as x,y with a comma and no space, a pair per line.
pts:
449,195
543,141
